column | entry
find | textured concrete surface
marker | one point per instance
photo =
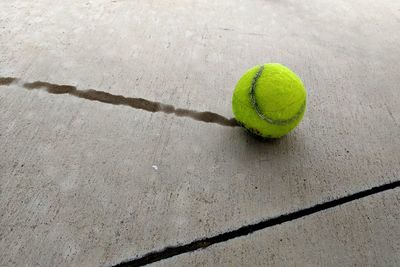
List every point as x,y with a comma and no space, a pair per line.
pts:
361,233
88,183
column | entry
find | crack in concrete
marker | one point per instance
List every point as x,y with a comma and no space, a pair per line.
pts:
133,102
169,252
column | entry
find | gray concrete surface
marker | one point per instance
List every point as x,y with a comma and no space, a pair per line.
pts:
361,233
78,186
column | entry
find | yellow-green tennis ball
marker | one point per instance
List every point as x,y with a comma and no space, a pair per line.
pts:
269,100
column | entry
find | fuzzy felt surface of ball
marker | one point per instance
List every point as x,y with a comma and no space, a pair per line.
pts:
269,100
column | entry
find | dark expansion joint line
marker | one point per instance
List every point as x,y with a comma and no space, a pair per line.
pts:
172,251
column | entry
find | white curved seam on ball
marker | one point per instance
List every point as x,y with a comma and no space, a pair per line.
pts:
254,103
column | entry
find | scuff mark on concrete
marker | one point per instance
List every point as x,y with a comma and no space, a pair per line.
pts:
137,103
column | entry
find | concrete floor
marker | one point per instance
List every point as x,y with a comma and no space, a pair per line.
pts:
87,183
355,234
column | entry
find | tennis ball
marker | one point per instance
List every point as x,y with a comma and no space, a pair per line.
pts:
269,100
